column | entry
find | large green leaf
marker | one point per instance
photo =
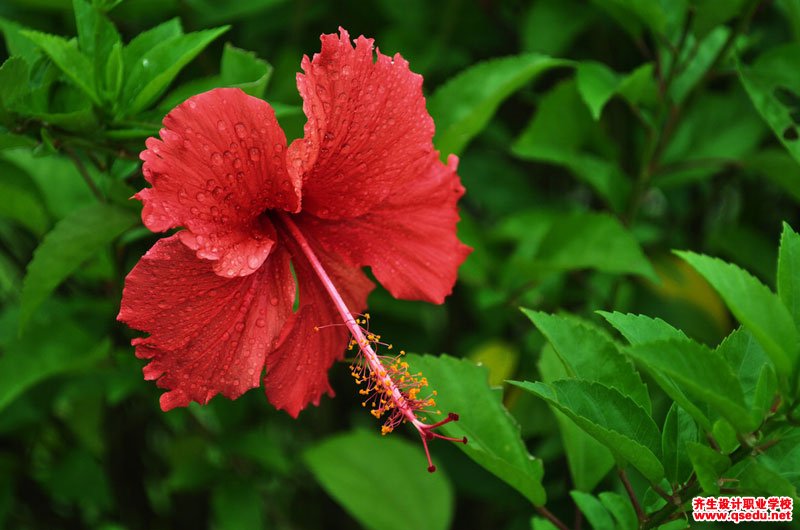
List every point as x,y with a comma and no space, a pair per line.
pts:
641,329
750,364
464,105
147,40
596,514
72,241
97,38
789,272
611,418
594,241
679,428
757,308
65,54
773,84
701,373
55,344
353,467
22,201
493,434
562,132
589,460
588,353
157,67
708,465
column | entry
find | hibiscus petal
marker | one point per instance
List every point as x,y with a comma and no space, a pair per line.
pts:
219,164
367,124
409,239
315,336
208,334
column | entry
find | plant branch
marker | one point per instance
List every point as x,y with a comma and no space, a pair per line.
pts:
634,501
84,173
547,514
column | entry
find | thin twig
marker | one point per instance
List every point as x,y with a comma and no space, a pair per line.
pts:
547,514
84,173
634,501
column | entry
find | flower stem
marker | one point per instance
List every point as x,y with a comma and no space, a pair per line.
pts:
371,357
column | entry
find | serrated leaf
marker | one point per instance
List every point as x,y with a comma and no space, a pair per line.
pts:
789,272
708,465
641,329
98,38
751,365
589,460
702,374
243,69
72,241
754,305
464,105
16,43
147,40
65,54
493,434
679,429
352,467
611,418
594,241
158,67
589,354
596,514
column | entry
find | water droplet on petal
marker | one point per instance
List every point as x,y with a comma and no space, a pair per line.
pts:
239,326
253,262
216,158
273,300
255,154
241,130
200,196
261,323
221,125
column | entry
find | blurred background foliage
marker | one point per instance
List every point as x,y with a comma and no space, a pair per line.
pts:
594,137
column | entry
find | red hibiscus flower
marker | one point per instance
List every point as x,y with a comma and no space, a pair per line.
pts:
260,221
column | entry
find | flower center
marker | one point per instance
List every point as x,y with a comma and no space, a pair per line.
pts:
390,388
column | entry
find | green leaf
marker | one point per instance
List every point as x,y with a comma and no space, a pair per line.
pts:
778,167
71,242
563,132
243,69
214,12
493,434
588,353
593,509
709,14
589,460
16,43
114,71
649,13
757,308
65,54
156,69
237,506
611,418
550,26
679,429
757,479
147,40
353,467
12,141
789,272
22,200
98,39
702,374
784,457
773,84
595,241
463,106
696,59
596,84
708,465
751,365
622,510
55,344
13,82
641,329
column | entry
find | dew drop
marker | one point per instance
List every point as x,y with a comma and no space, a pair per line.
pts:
241,130
239,326
273,301
221,125
255,154
231,272
253,262
278,148
200,196
216,158
261,323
